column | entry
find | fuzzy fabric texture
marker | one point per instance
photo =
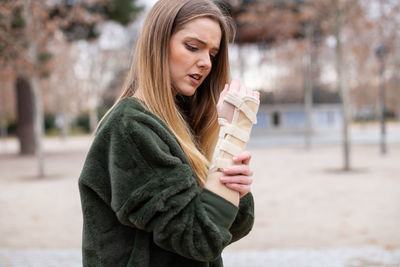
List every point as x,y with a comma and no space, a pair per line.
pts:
141,203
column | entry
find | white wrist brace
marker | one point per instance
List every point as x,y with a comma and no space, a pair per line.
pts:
234,135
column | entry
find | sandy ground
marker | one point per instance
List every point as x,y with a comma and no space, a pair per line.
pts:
303,200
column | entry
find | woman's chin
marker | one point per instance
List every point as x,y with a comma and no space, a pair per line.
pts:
189,92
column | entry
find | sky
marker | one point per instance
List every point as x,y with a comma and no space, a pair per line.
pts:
147,3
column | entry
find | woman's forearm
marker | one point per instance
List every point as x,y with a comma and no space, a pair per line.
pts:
214,185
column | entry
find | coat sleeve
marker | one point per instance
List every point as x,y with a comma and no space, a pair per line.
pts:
153,189
244,220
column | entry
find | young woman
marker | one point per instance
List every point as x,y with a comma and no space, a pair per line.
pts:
147,196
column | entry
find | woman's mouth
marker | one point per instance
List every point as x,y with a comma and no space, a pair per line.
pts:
195,78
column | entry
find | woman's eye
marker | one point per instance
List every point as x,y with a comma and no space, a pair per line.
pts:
212,57
190,47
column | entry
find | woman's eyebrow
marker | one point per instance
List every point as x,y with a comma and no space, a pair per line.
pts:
203,42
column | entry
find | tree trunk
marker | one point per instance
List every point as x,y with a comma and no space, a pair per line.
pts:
33,81
381,53
308,85
39,124
65,124
25,114
342,86
3,119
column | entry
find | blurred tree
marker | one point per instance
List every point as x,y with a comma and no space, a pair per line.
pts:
379,26
25,109
338,24
274,22
25,29
372,22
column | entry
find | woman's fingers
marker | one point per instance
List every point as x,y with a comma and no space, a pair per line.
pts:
238,170
249,92
242,189
224,109
237,179
222,95
235,86
240,90
243,91
242,158
256,94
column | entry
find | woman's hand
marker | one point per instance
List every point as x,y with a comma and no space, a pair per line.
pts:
239,177
225,110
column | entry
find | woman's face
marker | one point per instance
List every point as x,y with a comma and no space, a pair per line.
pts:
191,52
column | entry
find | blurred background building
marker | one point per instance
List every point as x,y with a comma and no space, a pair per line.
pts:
73,56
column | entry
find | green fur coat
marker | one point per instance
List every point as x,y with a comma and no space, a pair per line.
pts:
141,203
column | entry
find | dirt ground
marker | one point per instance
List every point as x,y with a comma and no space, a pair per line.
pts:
303,199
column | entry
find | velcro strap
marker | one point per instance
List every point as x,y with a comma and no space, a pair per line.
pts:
222,126
241,104
222,163
230,148
237,132
234,100
222,121
249,113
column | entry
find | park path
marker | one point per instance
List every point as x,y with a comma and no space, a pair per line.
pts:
308,212
339,257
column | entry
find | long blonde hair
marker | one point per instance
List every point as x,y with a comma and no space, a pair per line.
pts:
193,120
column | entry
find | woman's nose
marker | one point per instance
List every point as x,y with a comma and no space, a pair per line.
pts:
204,61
